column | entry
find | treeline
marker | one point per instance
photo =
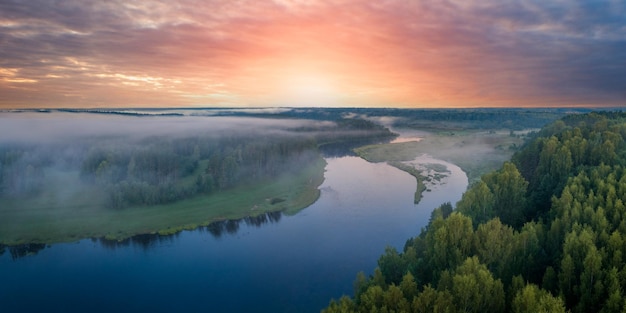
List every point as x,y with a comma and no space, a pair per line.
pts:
163,170
545,233
135,170
481,118
513,119
21,169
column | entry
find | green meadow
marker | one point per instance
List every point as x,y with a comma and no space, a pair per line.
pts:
60,215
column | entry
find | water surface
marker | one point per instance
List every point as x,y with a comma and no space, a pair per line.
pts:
269,264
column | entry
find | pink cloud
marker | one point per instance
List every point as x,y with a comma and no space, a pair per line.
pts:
240,53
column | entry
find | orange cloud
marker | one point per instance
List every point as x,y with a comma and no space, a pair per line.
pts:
305,52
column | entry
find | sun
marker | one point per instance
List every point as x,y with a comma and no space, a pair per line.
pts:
311,90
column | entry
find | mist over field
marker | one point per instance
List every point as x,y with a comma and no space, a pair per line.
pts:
35,147
54,127
60,171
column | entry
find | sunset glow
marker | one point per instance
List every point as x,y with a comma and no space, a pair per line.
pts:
312,53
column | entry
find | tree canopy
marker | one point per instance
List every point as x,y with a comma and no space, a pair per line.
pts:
545,233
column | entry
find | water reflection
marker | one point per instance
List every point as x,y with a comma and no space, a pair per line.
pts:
216,229
148,241
270,217
344,148
406,139
144,241
295,264
20,251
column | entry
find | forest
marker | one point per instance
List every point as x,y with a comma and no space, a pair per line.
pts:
162,169
544,233
434,119
123,175
438,119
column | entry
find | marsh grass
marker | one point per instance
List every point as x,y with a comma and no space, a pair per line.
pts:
475,152
421,187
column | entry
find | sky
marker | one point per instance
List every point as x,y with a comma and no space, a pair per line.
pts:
330,53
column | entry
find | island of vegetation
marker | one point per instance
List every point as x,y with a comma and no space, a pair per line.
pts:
119,185
544,233
475,151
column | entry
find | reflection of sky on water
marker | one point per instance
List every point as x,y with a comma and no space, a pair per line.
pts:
452,174
406,139
288,264
408,135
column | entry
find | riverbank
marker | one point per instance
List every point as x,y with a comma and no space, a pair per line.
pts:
50,219
475,152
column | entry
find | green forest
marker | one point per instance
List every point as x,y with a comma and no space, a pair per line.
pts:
164,169
117,185
544,233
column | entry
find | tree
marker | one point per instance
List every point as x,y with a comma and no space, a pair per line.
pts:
408,286
449,241
372,298
509,190
614,302
494,247
131,168
360,284
344,305
392,266
478,203
475,290
531,299
591,285
394,300
431,300
528,256
581,271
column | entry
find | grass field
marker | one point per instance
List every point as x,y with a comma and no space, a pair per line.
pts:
62,214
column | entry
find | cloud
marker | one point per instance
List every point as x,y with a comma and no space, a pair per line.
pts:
242,53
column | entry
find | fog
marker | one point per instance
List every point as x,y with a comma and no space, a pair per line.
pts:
150,158
35,127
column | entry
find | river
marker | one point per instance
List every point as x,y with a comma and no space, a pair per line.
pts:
270,264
